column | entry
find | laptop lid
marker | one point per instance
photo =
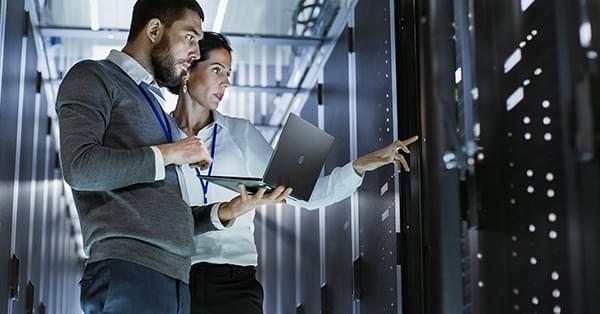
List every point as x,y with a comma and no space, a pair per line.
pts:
298,157
296,162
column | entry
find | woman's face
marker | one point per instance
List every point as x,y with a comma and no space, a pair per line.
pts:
208,79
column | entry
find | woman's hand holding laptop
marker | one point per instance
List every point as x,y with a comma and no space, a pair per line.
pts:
245,202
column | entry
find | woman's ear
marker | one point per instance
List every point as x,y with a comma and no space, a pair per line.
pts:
154,30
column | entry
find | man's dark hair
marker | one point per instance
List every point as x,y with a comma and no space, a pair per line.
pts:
167,11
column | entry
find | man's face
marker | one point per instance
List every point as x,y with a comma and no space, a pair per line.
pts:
176,49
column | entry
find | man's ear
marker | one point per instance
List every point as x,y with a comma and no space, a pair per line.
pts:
154,30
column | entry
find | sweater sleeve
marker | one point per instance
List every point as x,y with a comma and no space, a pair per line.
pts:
84,106
204,220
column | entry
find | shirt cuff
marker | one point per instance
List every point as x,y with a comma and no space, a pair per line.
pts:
159,164
349,177
214,218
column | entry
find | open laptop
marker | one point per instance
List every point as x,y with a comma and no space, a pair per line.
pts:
296,161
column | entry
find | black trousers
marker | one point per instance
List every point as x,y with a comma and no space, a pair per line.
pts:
225,289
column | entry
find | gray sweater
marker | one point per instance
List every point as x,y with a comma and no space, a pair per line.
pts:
106,130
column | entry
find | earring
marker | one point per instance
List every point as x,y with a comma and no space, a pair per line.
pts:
185,87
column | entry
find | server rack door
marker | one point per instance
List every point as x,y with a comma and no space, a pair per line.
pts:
338,224
530,199
41,196
411,220
41,199
55,223
580,126
269,259
25,150
9,98
309,257
258,239
54,194
286,281
442,289
377,221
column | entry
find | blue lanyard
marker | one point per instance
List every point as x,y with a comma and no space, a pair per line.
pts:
203,183
164,124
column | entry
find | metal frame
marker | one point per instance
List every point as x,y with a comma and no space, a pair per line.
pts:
411,247
3,8
312,65
396,133
352,115
442,276
579,76
235,38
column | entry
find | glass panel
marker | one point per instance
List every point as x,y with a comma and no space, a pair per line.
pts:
272,17
273,59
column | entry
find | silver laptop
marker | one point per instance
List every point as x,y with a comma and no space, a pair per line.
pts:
296,161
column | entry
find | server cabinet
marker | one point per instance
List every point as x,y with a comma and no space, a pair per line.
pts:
48,248
338,290
41,198
269,258
13,30
534,198
411,218
377,264
286,258
25,164
309,281
430,236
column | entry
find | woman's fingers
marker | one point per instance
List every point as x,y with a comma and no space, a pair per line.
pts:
260,193
402,161
284,195
411,140
243,193
401,145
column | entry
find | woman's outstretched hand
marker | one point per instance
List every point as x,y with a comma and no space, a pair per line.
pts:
384,156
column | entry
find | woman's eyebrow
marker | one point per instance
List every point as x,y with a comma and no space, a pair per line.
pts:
217,63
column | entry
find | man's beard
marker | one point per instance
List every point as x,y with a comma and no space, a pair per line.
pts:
164,64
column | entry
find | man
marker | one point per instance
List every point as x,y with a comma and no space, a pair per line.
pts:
119,154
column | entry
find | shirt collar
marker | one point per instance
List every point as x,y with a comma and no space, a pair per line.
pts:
220,119
131,67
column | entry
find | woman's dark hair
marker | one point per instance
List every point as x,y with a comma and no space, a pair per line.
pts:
167,11
210,42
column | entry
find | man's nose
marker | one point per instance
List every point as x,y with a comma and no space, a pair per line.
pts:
195,53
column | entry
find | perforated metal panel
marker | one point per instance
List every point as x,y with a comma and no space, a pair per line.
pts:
8,124
309,258
338,224
39,202
377,216
525,253
269,259
286,281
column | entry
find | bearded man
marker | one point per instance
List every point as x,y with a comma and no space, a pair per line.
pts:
119,154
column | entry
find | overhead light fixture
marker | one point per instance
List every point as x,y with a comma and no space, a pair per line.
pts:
218,24
585,34
95,25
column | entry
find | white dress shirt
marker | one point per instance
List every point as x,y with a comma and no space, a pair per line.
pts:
242,151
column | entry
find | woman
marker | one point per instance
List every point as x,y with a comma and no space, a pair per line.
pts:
222,279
